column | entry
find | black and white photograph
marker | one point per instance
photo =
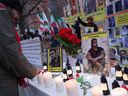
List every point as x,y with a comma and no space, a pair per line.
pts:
126,4
111,22
124,31
109,9
89,6
118,6
111,33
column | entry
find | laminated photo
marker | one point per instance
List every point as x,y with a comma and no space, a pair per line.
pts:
95,49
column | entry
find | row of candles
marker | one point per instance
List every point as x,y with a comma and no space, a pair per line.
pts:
118,89
72,85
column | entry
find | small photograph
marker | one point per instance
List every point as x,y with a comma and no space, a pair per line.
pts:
124,31
89,6
89,30
111,22
125,4
110,9
118,6
126,42
100,3
116,42
123,56
117,32
111,33
55,63
113,54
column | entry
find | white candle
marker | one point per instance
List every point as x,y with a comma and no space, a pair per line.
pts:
119,92
40,78
69,72
72,87
119,73
77,67
96,91
103,86
59,84
125,77
45,67
48,81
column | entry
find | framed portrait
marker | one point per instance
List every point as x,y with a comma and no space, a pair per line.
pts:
55,61
93,46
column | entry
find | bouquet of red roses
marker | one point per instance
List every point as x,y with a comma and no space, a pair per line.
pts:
68,40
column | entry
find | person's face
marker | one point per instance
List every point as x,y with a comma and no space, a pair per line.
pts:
125,29
123,53
89,21
94,44
16,15
52,54
112,52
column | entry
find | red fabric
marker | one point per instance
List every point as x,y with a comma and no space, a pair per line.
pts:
2,5
23,83
77,75
125,87
18,40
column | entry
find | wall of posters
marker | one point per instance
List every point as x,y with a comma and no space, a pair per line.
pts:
55,62
96,51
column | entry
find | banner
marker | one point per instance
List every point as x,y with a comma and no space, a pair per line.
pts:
122,19
33,51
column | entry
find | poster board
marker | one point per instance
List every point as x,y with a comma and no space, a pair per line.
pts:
102,41
55,61
33,51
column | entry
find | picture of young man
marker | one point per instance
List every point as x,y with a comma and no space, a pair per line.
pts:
54,58
96,56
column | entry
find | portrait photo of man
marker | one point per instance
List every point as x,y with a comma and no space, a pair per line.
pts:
54,58
96,56
55,61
